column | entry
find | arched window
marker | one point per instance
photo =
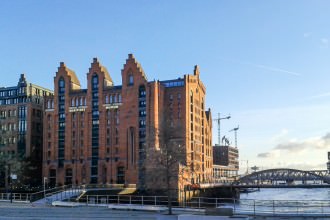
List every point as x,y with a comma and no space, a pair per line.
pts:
119,98
110,98
130,79
72,102
81,101
77,101
95,81
61,85
106,99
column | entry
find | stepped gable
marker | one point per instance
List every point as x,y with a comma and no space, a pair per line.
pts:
73,77
102,69
131,60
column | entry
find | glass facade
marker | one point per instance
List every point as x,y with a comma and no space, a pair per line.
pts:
61,122
142,132
95,128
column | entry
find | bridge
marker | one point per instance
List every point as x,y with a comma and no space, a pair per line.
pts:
279,178
285,176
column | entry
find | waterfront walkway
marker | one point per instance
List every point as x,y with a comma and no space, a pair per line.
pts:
26,211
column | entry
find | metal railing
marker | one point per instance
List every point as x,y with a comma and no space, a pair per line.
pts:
67,189
49,192
22,197
239,206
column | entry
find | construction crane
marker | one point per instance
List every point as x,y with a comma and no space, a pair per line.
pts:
218,120
235,130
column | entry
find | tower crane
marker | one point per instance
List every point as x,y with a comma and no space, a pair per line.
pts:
218,120
235,130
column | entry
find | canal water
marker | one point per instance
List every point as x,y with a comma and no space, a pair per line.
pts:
289,194
291,201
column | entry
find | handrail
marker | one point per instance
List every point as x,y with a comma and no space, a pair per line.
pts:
239,206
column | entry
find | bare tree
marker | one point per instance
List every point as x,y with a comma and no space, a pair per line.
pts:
165,162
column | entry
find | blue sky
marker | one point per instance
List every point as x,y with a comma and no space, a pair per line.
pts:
267,63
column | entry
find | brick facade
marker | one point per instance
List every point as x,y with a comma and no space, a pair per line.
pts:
112,134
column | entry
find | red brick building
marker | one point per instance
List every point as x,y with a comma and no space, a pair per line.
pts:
111,134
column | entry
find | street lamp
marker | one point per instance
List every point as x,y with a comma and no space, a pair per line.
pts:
45,179
12,177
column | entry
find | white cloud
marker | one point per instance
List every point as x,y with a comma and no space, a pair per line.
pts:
305,129
291,154
294,147
309,144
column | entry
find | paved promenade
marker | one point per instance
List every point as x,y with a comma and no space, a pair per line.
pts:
20,211
27,211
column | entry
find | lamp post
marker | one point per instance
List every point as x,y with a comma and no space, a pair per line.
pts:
45,179
12,177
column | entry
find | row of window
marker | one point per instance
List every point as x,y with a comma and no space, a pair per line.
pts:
22,90
8,101
13,101
178,96
8,93
78,101
115,98
10,140
9,127
173,83
9,113
38,92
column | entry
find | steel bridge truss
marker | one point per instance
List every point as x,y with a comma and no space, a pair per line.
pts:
272,176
